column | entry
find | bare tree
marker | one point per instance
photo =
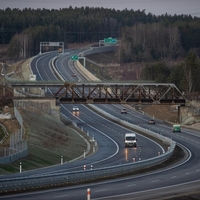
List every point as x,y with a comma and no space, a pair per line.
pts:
190,69
188,78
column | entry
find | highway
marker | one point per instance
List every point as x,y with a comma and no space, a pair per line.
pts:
110,146
111,151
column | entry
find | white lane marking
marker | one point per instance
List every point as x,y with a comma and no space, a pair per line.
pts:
117,146
129,130
173,176
154,181
131,185
187,173
101,190
66,195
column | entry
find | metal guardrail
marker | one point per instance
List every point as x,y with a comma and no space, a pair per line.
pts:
16,184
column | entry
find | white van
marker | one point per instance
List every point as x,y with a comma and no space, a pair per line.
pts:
130,140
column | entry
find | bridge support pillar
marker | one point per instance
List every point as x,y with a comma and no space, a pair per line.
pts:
42,92
156,102
90,101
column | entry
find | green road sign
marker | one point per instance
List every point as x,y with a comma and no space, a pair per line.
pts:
110,40
74,57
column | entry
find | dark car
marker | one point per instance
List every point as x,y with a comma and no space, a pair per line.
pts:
123,111
151,121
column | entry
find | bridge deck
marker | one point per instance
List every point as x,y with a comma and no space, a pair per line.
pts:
105,92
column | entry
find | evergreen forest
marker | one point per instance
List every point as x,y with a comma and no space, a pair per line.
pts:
167,46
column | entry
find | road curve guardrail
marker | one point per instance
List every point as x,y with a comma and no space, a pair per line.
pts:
67,178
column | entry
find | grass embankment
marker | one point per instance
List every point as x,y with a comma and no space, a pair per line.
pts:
48,140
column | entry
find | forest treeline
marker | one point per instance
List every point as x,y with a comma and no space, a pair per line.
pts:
144,37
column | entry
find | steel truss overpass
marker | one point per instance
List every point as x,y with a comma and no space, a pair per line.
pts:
107,92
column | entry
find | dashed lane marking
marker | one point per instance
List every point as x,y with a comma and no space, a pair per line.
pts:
101,190
173,176
131,185
154,181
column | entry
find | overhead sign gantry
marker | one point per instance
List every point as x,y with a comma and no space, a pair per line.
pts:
60,45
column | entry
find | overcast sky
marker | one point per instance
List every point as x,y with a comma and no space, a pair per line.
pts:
156,7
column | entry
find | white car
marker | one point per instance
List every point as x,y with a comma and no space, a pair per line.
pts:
75,108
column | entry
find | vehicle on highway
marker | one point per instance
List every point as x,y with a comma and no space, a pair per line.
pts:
176,128
130,140
60,50
123,111
75,108
151,121
73,74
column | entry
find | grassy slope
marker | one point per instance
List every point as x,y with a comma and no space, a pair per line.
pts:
48,140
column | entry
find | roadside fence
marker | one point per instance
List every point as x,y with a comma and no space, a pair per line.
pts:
18,146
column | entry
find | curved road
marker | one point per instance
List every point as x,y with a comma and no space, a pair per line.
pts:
108,134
